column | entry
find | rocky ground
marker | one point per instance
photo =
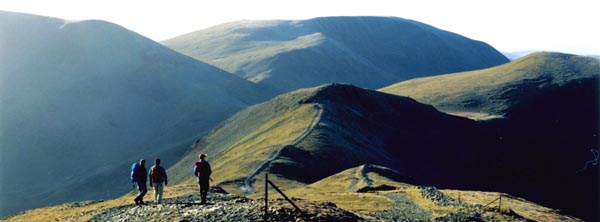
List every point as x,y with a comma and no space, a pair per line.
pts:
463,211
437,197
404,209
412,204
225,207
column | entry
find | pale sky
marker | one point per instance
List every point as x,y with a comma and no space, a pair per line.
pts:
570,26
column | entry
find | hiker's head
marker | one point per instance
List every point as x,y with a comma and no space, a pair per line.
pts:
142,162
157,161
202,156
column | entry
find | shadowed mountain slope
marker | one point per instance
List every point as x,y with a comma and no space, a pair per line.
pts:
82,100
549,102
489,93
537,153
369,52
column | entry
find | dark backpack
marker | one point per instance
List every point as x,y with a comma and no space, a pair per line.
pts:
156,174
134,169
202,169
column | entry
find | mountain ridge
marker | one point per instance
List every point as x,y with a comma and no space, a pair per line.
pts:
489,88
291,54
313,100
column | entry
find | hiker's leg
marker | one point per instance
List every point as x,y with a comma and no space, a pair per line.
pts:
206,185
142,191
203,189
156,192
202,194
137,197
201,185
159,188
145,191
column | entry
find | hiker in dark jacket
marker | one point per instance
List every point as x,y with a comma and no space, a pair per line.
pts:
158,179
202,171
139,176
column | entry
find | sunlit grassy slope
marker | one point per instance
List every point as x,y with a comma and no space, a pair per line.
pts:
341,189
242,144
489,93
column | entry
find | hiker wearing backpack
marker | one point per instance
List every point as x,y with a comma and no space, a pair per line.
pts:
139,176
202,171
158,179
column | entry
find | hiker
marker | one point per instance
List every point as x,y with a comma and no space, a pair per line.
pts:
158,176
202,171
138,175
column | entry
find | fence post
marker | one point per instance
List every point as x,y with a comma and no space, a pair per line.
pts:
266,217
500,203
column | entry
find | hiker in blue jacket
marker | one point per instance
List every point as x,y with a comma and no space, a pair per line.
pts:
139,176
202,171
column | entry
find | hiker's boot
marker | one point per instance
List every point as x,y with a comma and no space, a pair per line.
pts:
203,200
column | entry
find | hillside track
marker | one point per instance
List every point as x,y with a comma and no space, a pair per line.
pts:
249,181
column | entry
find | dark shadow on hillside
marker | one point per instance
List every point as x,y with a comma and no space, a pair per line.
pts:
383,187
546,139
534,153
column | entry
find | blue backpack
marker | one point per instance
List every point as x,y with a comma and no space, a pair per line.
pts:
134,169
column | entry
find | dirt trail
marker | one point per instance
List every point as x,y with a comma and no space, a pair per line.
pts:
249,181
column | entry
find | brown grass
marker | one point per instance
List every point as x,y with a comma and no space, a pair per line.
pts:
520,206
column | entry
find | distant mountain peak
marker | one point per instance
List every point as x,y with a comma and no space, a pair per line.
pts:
366,51
487,93
547,54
